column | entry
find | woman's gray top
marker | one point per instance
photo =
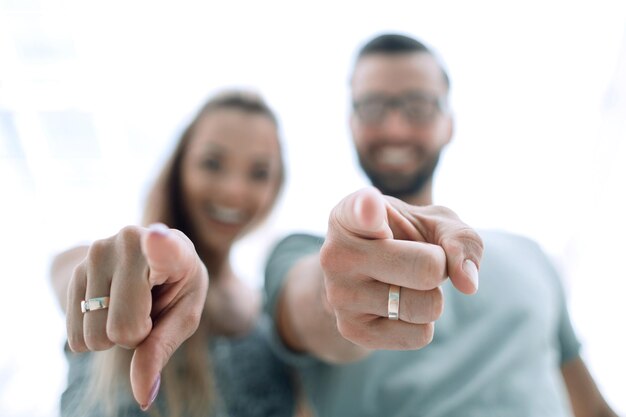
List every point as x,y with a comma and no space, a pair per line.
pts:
250,380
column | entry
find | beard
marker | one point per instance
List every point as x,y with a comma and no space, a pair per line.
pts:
401,185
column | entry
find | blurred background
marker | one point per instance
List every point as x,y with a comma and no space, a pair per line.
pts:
93,96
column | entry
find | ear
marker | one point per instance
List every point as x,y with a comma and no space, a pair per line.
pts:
449,128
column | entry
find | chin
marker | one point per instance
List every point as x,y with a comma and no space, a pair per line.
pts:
213,236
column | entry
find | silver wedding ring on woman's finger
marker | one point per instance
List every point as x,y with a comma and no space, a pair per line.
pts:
93,304
393,305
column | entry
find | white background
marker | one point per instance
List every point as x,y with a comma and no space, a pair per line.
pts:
94,94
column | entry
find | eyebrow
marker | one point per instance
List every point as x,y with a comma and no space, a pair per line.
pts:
260,159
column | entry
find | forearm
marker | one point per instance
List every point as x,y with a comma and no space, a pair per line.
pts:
585,397
62,269
306,322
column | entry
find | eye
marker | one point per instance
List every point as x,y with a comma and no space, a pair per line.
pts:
371,109
420,106
260,173
212,164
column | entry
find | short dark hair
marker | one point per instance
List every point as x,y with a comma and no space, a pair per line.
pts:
392,44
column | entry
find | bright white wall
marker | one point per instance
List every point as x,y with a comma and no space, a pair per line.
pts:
94,94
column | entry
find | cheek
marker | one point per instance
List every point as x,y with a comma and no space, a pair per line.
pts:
263,199
198,182
441,135
362,138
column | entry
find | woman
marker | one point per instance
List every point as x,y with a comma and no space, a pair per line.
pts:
221,181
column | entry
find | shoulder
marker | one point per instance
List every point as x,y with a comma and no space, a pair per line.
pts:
299,241
291,248
514,254
506,243
493,237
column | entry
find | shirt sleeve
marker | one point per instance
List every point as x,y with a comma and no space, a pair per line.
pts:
570,345
281,260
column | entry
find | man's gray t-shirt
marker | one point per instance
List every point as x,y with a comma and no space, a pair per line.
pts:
495,353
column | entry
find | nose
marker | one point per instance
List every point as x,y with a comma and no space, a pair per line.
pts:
234,189
395,125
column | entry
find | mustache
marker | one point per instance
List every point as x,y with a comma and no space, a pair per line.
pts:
397,185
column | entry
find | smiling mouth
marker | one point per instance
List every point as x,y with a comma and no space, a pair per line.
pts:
227,215
395,156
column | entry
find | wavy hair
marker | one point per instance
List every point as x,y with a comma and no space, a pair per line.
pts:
187,387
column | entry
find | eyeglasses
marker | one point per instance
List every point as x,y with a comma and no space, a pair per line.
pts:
417,107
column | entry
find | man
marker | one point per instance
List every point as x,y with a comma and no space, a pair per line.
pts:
355,313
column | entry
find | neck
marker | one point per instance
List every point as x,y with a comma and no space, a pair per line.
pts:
424,197
217,261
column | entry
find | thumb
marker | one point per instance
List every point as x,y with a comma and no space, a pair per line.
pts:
169,253
363,214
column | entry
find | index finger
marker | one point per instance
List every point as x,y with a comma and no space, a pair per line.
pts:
415,265
464,250
176,323
462,245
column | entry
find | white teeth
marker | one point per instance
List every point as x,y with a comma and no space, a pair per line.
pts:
395,155
226,214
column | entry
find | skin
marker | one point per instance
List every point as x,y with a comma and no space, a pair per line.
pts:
128,266
232,164
366,248
374,241
333,305
421,143
156,279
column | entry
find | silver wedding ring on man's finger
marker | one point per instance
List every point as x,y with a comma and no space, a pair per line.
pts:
93,304
393,305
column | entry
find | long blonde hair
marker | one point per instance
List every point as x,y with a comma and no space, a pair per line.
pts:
187,380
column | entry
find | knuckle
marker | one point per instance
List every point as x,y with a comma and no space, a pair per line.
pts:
354,333
423,306
436,303
129,232
405,343
430,266
442,211
463,240
76,342
98,251
335,294
340,254
331,258
429,308
79,270
96,341
127,333
424,335
128,238
326,256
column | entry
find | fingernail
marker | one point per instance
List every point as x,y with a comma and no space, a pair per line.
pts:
469,267
159,228
153,393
